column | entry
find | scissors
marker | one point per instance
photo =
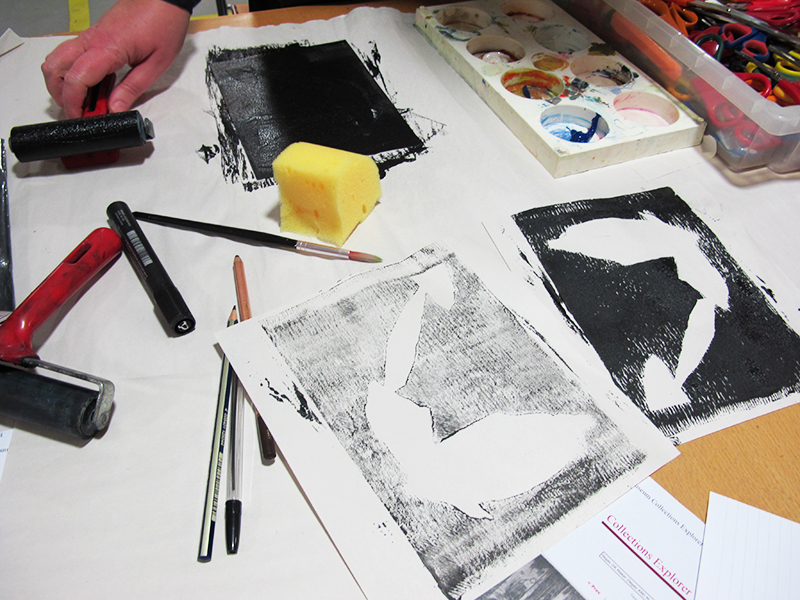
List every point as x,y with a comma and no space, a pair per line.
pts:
675,14
787,93
737,134
710,41
788,64
758,81
776,13
726,13
746,39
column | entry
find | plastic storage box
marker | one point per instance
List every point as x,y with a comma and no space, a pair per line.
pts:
750,130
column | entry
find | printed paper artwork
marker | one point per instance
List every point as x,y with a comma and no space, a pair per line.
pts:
682,328
268,97
469,429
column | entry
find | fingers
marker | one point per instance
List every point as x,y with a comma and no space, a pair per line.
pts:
72,68
57,64
88,70
146,34
136,83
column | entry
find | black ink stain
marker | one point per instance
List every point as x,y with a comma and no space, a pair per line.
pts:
766,290
300,403
268,97
208,152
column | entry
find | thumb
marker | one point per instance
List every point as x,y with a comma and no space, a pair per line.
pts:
135,83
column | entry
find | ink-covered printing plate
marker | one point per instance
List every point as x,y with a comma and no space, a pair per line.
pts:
572,100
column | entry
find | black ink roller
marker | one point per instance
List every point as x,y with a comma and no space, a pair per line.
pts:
79,136
164,294
94,138
55,405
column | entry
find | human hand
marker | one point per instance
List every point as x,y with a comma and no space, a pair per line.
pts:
145,34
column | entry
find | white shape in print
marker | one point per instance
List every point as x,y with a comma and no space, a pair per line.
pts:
632,241
496,457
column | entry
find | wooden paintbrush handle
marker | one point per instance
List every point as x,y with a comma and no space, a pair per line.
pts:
242,296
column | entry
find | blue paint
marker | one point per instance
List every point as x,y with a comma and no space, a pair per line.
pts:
583,137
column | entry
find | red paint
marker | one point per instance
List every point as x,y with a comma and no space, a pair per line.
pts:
538,83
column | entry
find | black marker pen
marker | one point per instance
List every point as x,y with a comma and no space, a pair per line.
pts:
165,295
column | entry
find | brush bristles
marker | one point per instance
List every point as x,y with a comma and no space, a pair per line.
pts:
364,257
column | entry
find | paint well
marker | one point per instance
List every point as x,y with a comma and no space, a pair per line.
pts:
646,109
574,124
463,18
602,71
532,84
560,38
495,49
533,11
548,62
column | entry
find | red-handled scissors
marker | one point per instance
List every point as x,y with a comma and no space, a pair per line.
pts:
787,93
758,81
776,13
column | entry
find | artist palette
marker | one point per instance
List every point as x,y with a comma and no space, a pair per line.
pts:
571,99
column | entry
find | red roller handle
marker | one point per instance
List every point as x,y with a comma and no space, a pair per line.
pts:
84,262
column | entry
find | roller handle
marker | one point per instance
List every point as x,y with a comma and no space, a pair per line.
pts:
84,262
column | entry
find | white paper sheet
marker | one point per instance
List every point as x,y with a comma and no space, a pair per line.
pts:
646,546
419,409
5,442
748,553
9,41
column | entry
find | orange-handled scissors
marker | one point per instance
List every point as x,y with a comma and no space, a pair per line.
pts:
673,13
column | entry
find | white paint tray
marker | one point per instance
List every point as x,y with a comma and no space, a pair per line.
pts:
570,98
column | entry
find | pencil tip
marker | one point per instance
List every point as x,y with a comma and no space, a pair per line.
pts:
364,257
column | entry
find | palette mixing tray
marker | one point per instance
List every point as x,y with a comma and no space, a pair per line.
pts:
572,101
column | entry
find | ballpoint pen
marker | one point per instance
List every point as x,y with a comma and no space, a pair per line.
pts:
233,505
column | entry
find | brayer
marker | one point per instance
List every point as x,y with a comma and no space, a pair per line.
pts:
94,138
55,404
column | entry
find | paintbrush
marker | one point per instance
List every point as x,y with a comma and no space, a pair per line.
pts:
257,236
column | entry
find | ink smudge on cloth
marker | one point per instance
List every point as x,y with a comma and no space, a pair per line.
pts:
268,97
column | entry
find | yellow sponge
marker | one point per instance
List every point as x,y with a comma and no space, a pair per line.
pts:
325,192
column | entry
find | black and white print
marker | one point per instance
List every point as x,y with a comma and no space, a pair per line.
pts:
472,433
681,327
